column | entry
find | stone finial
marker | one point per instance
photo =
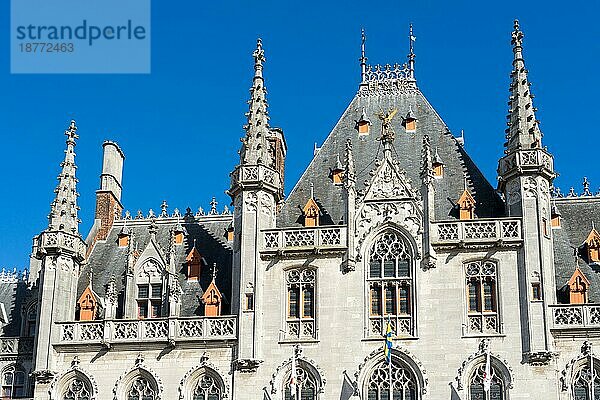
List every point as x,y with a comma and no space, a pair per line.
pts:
572,192
426,161
139,215
350,175
163,207
213,206
363,56
586,187
411,52
387,131
153,228
151,213
587,348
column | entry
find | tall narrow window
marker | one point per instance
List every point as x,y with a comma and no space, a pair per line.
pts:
482,300
586,386
476,385
300,321
149,300
31,320
13,383
390,285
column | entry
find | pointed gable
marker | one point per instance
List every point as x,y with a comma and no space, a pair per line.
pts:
388,183
311,212
578,287
194,264
212,300
592,246
88,305
466,204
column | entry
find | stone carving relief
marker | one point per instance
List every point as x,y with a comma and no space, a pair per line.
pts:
530,187
150,269
251,202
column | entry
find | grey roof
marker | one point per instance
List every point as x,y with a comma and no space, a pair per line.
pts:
366,149
14,295
107,258
577,215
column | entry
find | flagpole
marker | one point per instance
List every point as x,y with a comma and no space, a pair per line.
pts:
592,380
390,364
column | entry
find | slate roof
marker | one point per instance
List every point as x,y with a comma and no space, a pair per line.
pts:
578,214
14,295
408,146
107,258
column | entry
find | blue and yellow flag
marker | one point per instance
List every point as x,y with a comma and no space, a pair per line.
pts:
387,347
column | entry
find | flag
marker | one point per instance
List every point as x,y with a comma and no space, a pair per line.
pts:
293,379
387,347
487,376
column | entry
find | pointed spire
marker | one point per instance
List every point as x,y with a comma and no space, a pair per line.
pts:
255,146
426,167
363,57
350,175
63,210
523,128
411,53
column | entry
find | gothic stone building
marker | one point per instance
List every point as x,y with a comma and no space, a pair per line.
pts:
391,222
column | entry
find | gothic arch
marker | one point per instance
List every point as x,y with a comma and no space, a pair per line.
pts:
400,357
127,379
577,363
190,379
17,367
471,363
370,236
60,384
280,375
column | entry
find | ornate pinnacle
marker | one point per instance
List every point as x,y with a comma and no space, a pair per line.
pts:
426,168
363,56
63,210
350,175
259,58
411,53
523,131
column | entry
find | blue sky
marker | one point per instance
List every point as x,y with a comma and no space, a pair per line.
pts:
180,125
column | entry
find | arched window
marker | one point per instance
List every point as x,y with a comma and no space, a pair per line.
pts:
390,284
476,387
207,388
13,383
77,389
391,382
142,388
30,320
306,386
300,313
482,297
586,382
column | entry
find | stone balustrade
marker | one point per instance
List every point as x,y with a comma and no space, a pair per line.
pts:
16,345
575,316
46,241
149,330
479,231
316,239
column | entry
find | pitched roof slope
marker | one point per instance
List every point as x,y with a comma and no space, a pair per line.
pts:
578,214
108,259
407,146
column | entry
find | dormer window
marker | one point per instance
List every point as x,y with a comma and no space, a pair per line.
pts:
466,204
229,233
178,237
592,246
578,287
409,122
437,165
88,305
194,264
123,237
311,213
212,300
149,299
555,217
363,125
337,172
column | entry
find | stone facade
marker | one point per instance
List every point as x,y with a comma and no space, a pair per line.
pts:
469,292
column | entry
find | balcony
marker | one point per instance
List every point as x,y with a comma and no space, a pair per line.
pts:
172,330
575,320
480,233
317,240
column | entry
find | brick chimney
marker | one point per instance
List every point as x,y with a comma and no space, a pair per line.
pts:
108,197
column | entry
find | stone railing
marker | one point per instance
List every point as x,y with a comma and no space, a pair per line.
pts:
574,316
533,158
59,240
476,231
16,345
304,239
149,330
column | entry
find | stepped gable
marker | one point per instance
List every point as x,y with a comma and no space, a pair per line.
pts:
578,214
107,258
14,294
407,150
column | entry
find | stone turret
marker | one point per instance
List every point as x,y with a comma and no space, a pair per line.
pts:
525,175
60,251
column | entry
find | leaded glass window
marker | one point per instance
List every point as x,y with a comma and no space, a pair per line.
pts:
391,382
300,314
207,388
476,387
77,389
390,284
586,387
142,389
306,386
13,383
482,297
